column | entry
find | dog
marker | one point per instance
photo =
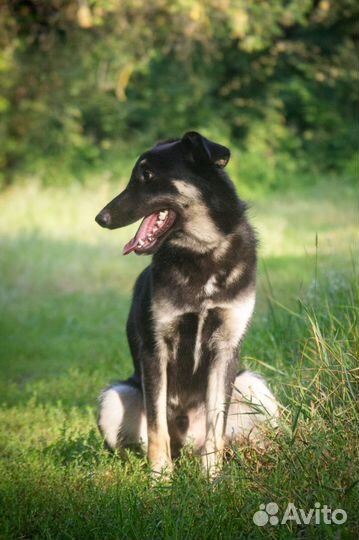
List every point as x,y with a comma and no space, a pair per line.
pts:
191,308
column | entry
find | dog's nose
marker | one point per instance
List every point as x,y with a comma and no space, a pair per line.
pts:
103,218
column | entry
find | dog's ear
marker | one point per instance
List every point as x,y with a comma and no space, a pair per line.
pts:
200,149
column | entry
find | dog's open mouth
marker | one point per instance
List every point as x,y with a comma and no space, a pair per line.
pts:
151,229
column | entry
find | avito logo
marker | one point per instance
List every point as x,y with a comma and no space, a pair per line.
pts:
268,514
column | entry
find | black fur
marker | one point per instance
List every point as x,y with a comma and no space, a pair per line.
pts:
183,263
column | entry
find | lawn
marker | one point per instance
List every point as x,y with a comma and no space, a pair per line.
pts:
64,296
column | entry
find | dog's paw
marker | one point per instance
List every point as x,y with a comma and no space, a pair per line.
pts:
212,462
159,454
161,470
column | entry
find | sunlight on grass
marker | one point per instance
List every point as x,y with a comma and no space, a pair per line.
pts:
64,298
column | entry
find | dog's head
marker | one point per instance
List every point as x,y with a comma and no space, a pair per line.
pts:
180,189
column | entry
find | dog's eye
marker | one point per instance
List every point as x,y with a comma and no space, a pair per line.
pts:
147,175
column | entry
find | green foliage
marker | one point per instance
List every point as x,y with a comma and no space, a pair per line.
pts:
86,82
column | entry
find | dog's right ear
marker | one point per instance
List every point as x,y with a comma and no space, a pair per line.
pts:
202,150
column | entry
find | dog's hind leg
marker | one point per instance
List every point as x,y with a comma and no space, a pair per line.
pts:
122,419
252,408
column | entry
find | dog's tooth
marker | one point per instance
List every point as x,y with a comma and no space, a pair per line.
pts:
140,243
162,215
155,229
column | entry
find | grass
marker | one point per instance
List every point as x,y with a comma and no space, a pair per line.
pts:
64,298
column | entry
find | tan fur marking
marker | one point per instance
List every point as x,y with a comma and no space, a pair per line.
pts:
235,274
198,345
159,451
222,249
164,313
200,225
236,316
215,403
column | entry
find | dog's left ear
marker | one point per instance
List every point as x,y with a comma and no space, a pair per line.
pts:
203,150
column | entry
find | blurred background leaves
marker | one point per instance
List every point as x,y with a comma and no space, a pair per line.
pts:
89,84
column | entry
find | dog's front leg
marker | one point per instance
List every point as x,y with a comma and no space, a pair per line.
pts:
224,348
155,398
221,378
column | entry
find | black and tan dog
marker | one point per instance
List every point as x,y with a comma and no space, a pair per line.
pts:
190,310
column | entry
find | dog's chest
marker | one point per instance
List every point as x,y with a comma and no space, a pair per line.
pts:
176,326
189,282
195,313
180,340
186,334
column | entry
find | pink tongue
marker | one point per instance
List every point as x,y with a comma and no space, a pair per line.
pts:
144,229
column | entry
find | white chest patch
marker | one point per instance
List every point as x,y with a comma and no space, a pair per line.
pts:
211,286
